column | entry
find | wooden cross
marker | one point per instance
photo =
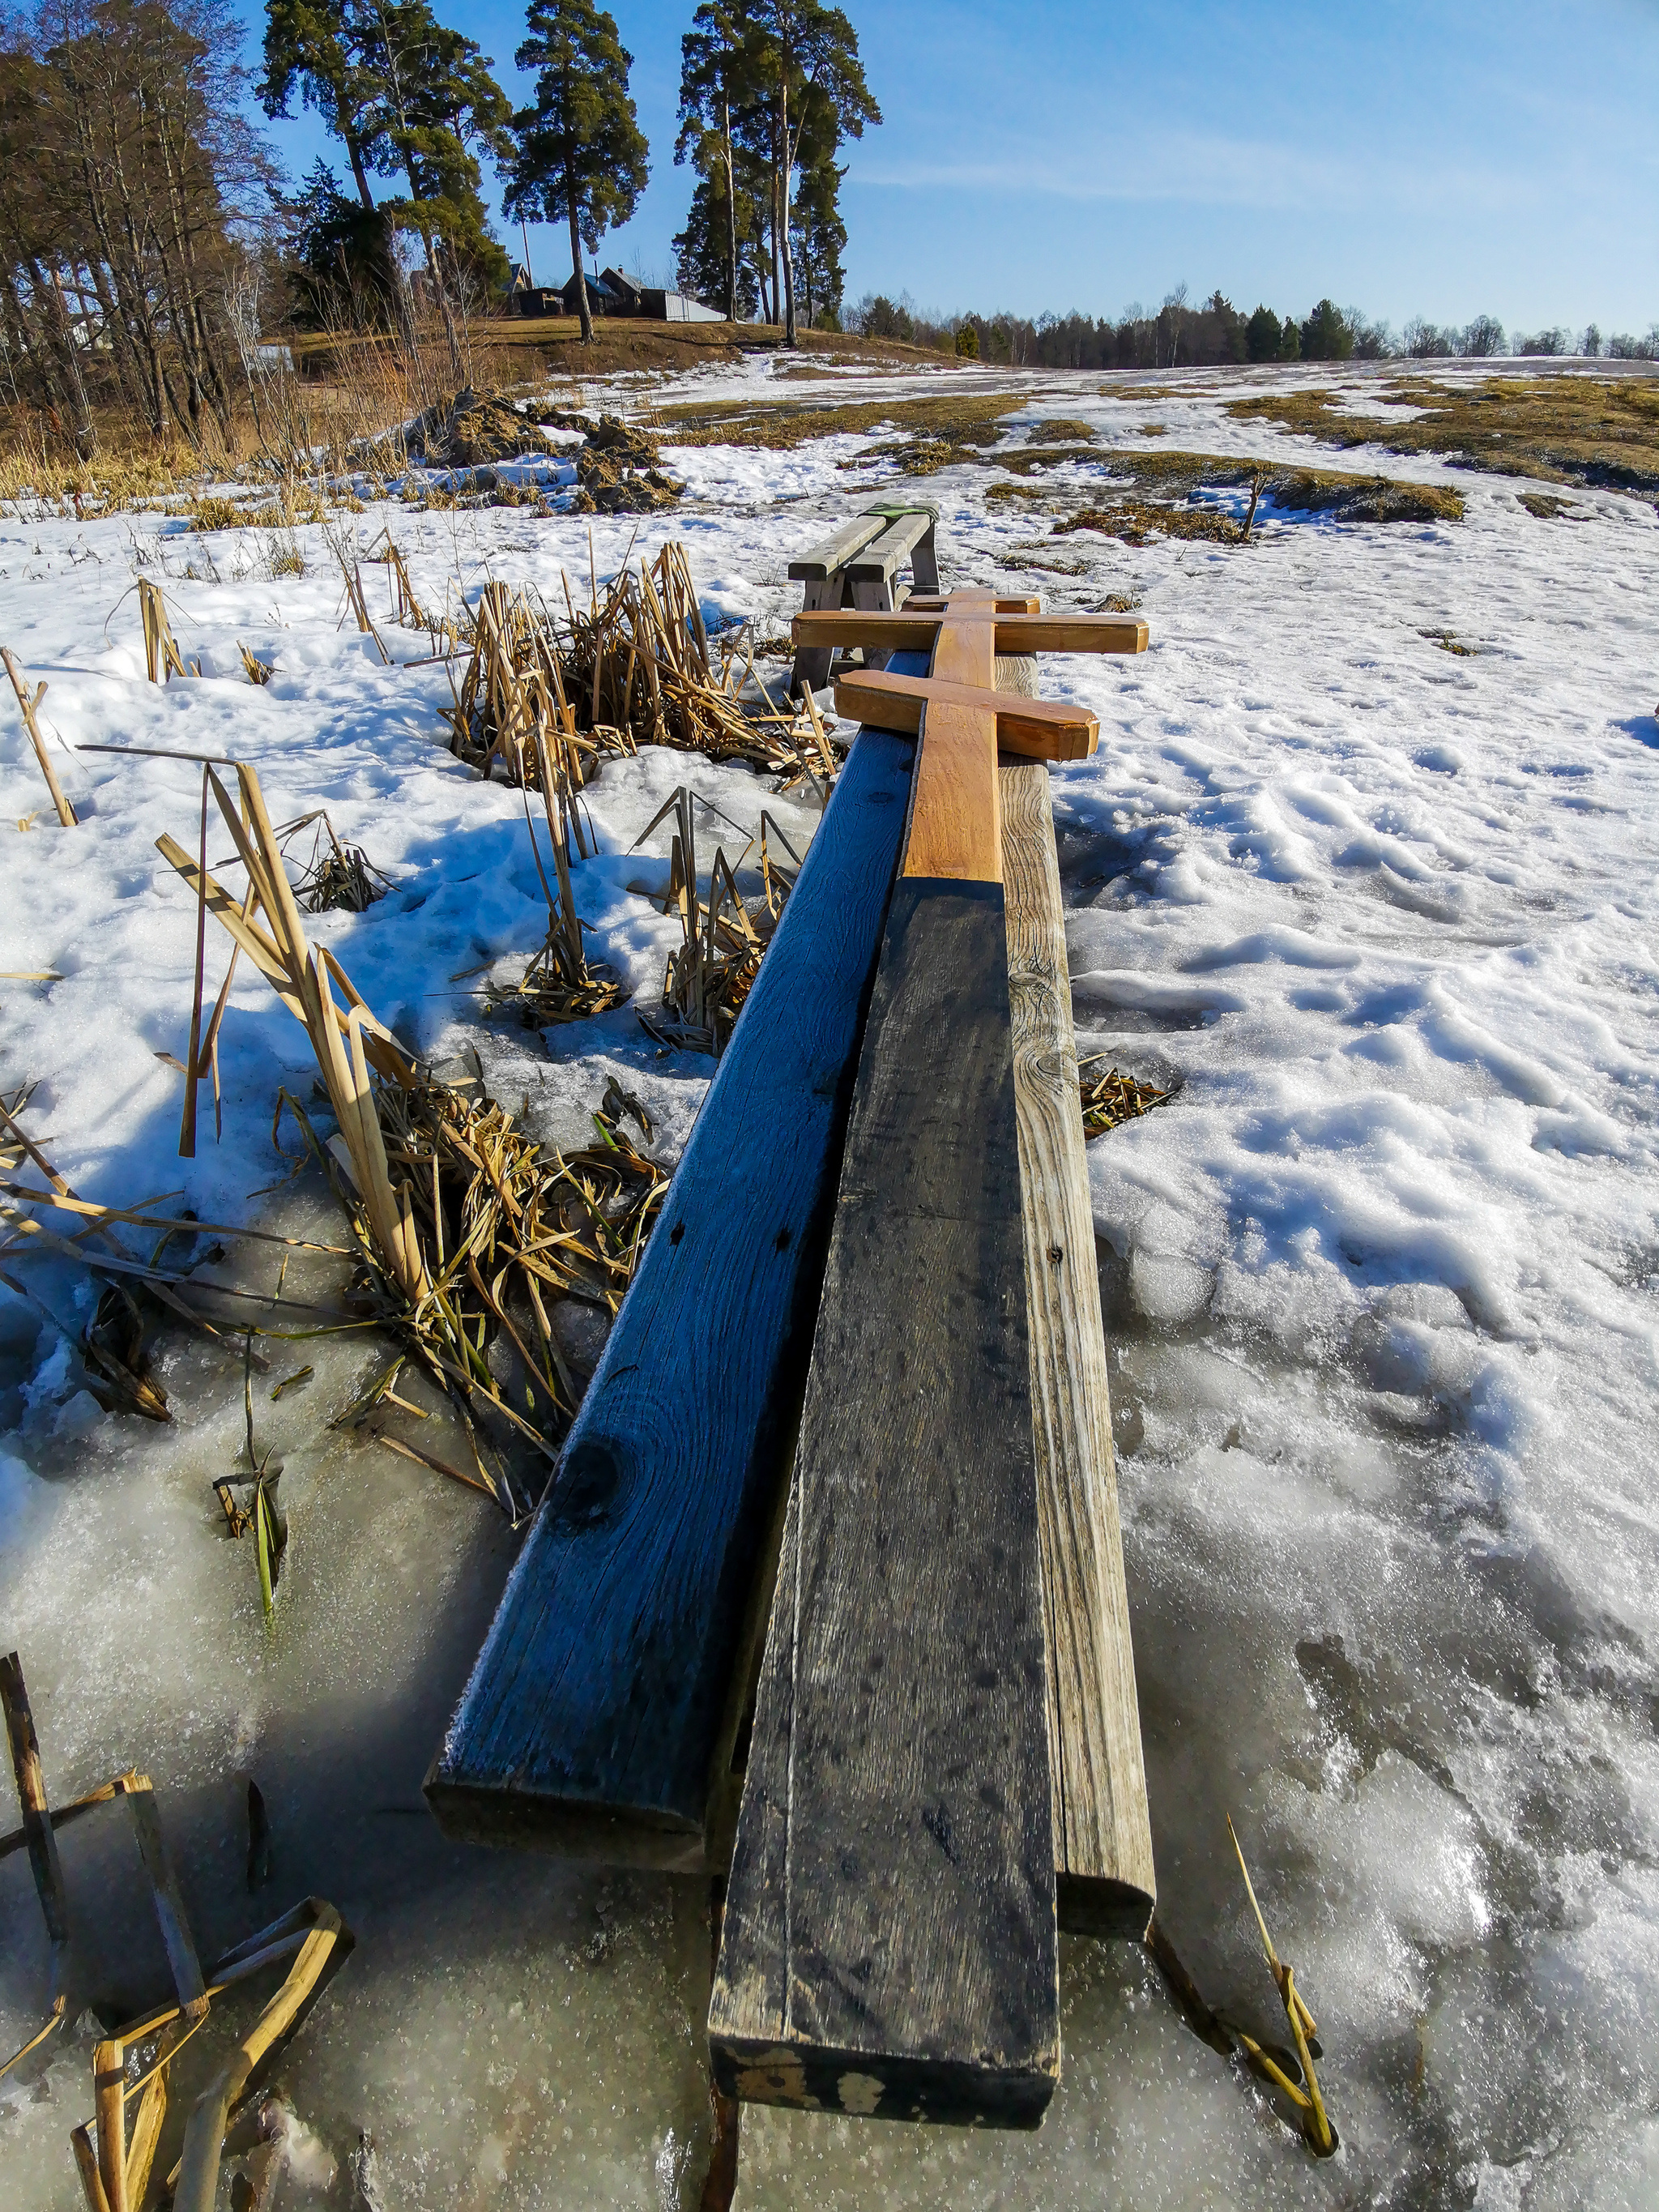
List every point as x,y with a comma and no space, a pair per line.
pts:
954,829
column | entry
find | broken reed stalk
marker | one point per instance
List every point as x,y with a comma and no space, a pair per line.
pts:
356,604
1310,2105
115,2176
710,976
162,658
27,703
1110,1099
108,2076
463,1229
259,672
340,879
347,1040
38,1833
204,2132
406,609
558,985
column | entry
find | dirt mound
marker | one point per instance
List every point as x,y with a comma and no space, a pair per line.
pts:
606,486
473,427
619,470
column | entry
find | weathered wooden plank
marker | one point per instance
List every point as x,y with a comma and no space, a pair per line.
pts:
836,551
889,1941
1102,1837
880,560
907,630
1044,729
599,1718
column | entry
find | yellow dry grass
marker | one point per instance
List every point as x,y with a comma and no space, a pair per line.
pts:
1567,428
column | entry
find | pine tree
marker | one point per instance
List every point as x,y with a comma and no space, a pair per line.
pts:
806,58
405,95
717,64
580,150
705,250
317,47
817,236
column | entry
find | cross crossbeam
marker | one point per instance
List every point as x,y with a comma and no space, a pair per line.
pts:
1018,627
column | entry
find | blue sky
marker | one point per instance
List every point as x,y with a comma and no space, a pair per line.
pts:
1405,158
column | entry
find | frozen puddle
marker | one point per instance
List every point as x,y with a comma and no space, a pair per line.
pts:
1380,1288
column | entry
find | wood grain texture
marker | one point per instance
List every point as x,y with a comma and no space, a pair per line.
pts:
881,559
1039,729
908,629
1103,1837
836,551
889,1943
597,1720
955,830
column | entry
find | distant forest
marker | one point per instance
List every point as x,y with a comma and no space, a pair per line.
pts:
1182,335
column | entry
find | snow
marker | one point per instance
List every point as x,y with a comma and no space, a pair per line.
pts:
1380,1296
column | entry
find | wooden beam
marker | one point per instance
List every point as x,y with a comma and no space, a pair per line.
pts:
879,561
835,552
907,630
889,1943
1102,1835
998,602
1040,729
599,1718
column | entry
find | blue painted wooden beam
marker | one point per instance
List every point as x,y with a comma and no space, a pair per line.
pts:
599,1718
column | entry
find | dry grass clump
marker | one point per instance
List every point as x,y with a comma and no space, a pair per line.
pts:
212,511
953,421
513,692
1138,521
1162,478
464,1230
335,876
634,667
1566,428
1111,1098
1059,429
722,942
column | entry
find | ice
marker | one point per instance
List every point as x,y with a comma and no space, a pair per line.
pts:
1380,1291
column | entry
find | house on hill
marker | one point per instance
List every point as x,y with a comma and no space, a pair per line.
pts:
612,293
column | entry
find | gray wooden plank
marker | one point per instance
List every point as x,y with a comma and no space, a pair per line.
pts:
600,1715
879,560
889,1941
1103,1834
836,551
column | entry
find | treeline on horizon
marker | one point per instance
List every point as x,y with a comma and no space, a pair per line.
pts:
1215,334
152,243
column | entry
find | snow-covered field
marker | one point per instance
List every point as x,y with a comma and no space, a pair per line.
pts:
1380,1292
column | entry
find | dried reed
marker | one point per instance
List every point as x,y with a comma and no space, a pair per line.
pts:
463,1229
713,972
1111,1099
28,702
634,667
162,658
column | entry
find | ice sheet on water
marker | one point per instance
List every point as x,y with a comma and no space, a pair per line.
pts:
1380,1291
